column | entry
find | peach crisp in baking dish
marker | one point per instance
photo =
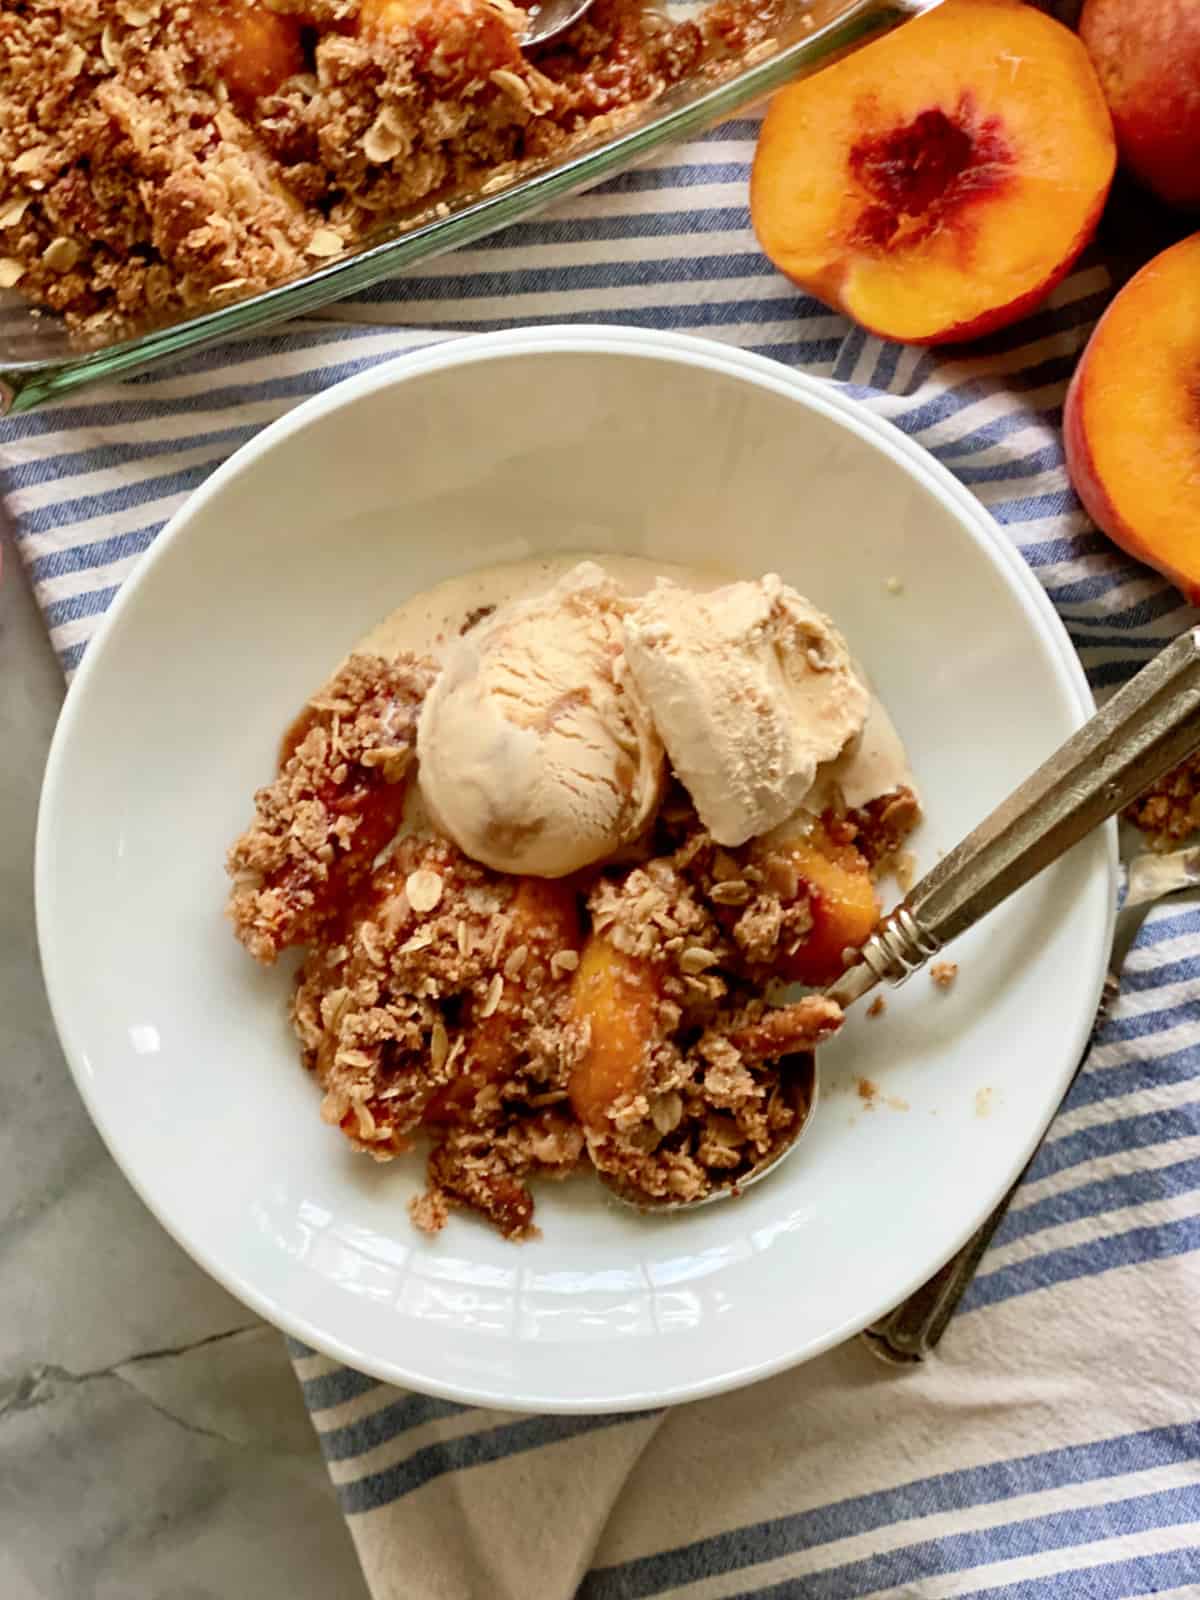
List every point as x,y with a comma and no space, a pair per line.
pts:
163,157
556,842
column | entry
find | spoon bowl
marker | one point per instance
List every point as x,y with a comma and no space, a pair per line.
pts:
549,18
799,1082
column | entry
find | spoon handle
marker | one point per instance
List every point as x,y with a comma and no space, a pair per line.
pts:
1148,727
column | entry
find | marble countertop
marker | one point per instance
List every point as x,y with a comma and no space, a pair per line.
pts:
153,1443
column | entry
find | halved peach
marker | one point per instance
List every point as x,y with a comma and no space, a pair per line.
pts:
1132,422
938,184
617,997
844,907
254,49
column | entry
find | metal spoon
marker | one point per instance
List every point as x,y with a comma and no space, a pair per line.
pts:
1148,727
912,1331
549,18
850,26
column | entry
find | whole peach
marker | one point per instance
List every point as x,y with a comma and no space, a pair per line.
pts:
1147,54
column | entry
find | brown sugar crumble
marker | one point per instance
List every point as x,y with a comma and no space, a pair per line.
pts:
526,1027
943,974
1169,811
164,157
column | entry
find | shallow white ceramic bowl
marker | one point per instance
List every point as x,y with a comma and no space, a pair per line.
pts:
482,451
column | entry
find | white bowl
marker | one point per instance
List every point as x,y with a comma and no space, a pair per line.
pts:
476,452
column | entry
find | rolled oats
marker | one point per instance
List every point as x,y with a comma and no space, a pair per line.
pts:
424,890
493,996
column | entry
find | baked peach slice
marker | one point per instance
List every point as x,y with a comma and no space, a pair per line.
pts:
254,49
938,184
616,999
1132,422
338,798
845,909
462,41
543,921
387,16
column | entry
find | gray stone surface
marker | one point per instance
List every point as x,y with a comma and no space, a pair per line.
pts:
153,1444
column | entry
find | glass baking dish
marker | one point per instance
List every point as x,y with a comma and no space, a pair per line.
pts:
39,362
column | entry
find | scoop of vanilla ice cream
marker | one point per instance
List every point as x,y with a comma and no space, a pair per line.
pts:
536,753
751,688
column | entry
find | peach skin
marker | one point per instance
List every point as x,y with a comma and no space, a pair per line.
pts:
938,184
1133,418
1147,53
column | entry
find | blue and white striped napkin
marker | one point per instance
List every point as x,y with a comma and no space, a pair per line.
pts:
1052,1448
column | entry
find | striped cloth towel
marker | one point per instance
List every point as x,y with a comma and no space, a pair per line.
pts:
1052,1448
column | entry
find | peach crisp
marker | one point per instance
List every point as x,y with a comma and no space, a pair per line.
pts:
614,1006
164,157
